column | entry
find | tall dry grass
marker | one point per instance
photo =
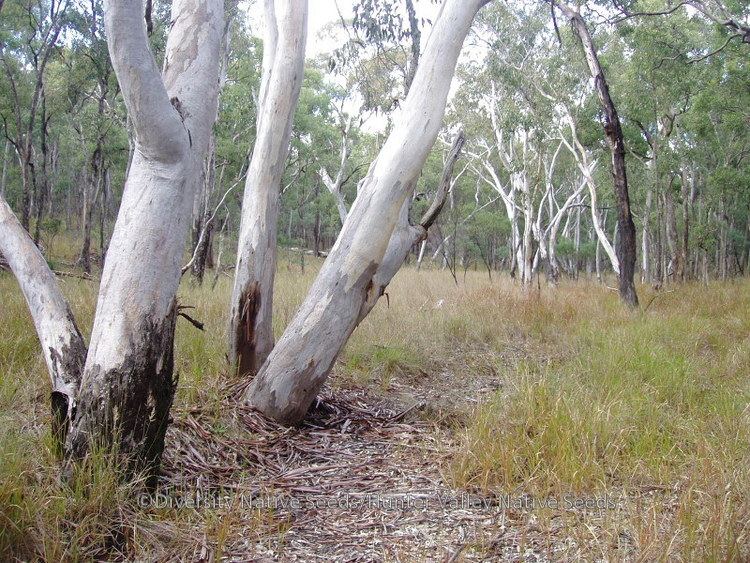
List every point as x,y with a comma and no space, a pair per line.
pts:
546,391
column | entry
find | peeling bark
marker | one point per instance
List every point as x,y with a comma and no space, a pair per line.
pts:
250,306
129,404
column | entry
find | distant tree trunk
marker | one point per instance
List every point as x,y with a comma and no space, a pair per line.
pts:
251,313
5,169
220,253
25,118
316,227
527,250
335,185
203,253
91,191
671,228
369,245
587,167
626,248
687,189
43,189
554,227
646,239
103,214
27,183
202,222
659,244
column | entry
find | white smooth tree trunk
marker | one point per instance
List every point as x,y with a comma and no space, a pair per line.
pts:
302,359
526,250
334,185
62,344
599,228
128,382
554,228
251,312
586,166
405,235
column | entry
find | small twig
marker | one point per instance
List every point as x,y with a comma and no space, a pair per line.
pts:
654,298
402,414
456,554
191,320
82,276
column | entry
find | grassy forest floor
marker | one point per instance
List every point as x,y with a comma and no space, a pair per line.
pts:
467,422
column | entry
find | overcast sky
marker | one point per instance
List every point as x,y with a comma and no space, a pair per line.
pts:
323,12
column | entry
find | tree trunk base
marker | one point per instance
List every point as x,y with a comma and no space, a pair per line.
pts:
127,408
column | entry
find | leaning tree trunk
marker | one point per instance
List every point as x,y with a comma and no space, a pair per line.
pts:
250,319
349,279
554,227
626,244
128,382
62,345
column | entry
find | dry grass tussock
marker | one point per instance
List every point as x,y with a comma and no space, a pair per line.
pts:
480,388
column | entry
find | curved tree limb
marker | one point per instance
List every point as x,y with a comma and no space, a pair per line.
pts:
62,344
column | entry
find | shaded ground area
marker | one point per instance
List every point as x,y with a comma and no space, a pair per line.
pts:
359,481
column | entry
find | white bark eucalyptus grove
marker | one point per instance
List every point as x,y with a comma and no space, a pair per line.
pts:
351,277
127,383
250,318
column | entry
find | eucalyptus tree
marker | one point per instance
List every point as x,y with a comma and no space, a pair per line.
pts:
315,139
251,309
377,63
519,106
119,392
626,242
361,263
684,142
715,175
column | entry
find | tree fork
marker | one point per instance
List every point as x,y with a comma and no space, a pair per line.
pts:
294,372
